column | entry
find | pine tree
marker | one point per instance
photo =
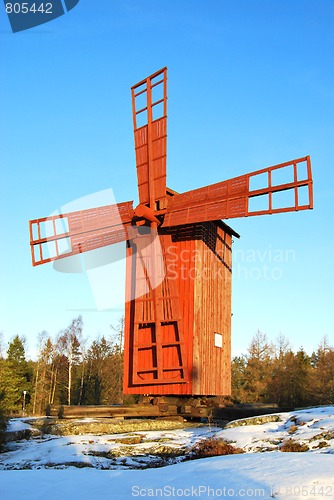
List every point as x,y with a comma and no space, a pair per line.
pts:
3,420
98,357
239,382
16,377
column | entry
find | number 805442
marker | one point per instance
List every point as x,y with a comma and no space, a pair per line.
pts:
24,8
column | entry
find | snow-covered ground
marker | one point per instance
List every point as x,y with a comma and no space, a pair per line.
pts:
263,471
313,427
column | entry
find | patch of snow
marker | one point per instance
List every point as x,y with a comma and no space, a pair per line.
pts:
18,424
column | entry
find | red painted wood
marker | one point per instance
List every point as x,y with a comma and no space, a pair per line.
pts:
231,198
149,105
63,235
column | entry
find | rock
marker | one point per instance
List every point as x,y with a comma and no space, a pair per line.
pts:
60,427
129,440
326,435
18,435
264,419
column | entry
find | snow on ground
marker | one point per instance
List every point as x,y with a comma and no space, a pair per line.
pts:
102,452
313,427
260,475
18,424
266,474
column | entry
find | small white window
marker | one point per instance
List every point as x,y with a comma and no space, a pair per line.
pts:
218,340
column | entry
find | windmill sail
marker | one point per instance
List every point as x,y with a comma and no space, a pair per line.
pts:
149,105
233,198
63,235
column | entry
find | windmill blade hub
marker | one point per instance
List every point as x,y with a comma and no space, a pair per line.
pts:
145,212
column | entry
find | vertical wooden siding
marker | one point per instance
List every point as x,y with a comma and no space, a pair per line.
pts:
212,314
128,321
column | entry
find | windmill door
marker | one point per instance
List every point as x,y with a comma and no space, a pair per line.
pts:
157,352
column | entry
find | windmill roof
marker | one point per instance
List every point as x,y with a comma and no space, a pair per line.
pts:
227,228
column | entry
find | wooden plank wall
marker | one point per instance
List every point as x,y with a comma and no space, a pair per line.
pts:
212,313
128,321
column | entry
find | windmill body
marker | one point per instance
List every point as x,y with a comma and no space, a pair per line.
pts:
190,353
179,256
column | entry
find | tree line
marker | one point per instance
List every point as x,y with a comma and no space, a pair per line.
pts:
273,373
68,370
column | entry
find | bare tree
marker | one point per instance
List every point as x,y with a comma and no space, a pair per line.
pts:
257,372
119,334
282,347
83,351
40,346
2,346
116,368
69,342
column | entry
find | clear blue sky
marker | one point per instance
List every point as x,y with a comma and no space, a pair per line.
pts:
251,84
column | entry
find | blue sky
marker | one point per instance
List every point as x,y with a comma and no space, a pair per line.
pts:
251,84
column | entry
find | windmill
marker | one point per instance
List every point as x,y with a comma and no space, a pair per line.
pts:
179,255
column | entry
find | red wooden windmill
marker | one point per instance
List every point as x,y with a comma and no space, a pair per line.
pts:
178,284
